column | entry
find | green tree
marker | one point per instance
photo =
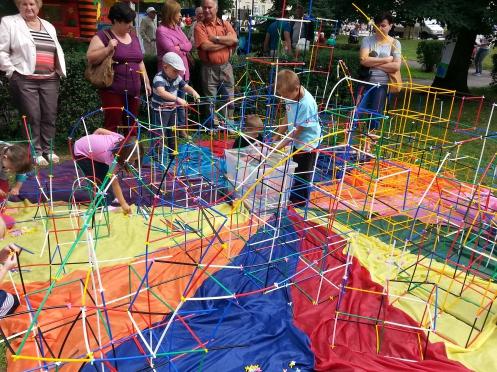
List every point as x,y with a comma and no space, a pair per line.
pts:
464,19
320,8
7,7
222,5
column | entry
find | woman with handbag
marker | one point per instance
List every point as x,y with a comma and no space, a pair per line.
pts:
380,53
33,61
171,38
128,67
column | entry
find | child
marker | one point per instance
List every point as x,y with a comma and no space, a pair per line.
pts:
165,98
302,122
253,129
95,153
8,302
14,159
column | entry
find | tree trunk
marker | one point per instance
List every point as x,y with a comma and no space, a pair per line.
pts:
457,72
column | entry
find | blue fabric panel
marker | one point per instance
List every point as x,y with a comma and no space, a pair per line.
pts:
255,329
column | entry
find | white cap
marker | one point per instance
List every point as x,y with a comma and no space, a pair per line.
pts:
174,60
150,9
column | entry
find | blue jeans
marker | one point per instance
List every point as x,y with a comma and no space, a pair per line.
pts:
166,119
373,100
479,57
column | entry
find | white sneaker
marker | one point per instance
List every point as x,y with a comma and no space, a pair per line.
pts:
41,161
53,157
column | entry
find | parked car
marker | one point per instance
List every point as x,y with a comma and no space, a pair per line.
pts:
430,28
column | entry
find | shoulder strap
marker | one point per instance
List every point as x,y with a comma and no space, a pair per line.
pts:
106,33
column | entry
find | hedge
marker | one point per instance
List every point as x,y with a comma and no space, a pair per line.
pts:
429,53
494,71
77,97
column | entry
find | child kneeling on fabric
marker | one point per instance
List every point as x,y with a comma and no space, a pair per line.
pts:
253,130
8,301
14,159
95,153
165,98
302,124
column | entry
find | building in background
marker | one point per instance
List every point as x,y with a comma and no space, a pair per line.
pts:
244,8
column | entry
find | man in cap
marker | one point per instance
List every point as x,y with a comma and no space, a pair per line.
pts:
215,40
147,31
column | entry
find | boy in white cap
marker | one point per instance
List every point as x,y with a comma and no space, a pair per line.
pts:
147,31
165,98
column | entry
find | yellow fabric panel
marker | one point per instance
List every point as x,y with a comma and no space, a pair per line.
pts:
126,240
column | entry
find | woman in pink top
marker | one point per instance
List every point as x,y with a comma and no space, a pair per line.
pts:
95,154
170,37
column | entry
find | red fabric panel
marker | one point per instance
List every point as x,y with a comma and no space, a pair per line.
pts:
216,146
4,186
355,343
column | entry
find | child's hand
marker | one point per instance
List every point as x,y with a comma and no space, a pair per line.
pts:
10,262
181,102
196,97
3,194
15,190
14,248
126,208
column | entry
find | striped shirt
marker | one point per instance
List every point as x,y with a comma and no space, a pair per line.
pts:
45,54
171,86
6,303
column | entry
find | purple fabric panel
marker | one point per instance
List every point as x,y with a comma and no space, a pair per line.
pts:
181,194
128,58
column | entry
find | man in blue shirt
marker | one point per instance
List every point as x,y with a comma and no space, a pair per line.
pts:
273,37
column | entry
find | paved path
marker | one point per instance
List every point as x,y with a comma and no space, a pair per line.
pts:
473,81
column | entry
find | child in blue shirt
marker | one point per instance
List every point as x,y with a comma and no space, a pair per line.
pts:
165,98
302,124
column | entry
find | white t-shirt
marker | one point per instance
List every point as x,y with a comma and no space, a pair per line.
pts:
383,50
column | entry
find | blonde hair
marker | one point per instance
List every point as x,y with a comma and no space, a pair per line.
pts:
253,123
39,3
287,81
169,11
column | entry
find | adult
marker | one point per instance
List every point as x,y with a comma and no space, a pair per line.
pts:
301,29
275,32
171,38
129,69
198,18
381,54
354,34
483,48
33,60
147,31
215,40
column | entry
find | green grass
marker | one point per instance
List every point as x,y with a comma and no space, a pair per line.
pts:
409,49
416,73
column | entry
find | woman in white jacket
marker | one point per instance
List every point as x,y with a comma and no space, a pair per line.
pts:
33,60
